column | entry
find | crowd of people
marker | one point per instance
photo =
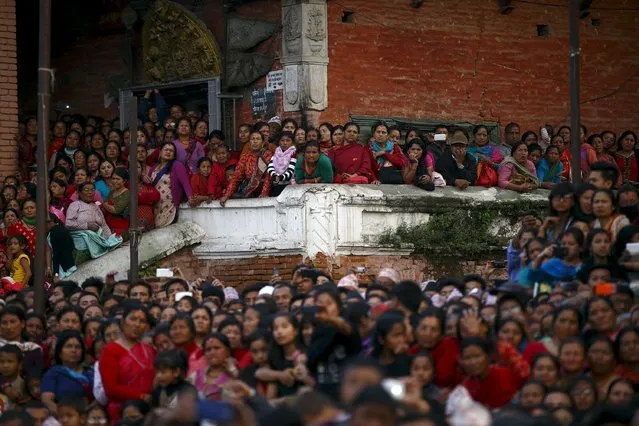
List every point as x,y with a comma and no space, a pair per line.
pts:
557,343
180,161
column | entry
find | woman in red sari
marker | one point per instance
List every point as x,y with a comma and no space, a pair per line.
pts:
352,160
26,226
148,195
126,364
626,158
490,385
250,173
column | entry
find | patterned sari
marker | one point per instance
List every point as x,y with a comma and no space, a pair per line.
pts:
164,210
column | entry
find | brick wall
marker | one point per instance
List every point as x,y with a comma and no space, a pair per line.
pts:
462,60
455,59
240,272
8,88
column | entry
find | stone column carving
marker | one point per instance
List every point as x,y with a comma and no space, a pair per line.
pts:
321,220
305,54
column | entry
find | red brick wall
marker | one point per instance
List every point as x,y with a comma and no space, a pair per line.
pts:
8,88
240,272
82,73
462,60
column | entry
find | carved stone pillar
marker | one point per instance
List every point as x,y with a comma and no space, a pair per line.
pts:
305,55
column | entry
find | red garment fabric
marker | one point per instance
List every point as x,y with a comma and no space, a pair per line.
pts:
566,162
243,357
126,374
495,390
353,159
628,167
532,349
510,357
629,374
20,228
218,172
202,186
148,195
244,170
56,145
446,357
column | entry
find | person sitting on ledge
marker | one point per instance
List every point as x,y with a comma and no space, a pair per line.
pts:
458,168
313,166
250,173
517,172
352,160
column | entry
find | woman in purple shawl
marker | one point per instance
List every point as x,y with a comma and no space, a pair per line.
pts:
171,180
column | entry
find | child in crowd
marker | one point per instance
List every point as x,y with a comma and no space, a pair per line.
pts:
19,260
203,184
13,387
72,412
281,169
258,347
534,153
171,367
422,369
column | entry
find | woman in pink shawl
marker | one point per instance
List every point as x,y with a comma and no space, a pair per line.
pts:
353,161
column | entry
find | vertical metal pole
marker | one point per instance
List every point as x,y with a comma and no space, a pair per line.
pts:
575,112
130,112
44,100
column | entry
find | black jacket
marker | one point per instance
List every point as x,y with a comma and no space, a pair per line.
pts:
447,167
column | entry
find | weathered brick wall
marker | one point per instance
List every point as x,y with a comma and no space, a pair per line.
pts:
8,88
462,60
240,272
457,59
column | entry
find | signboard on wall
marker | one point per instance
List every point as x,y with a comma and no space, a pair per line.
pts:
274,81
263,103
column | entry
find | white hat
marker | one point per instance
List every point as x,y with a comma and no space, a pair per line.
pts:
275,119
267,289
389,273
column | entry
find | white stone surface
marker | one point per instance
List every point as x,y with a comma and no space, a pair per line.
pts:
156,244
330,219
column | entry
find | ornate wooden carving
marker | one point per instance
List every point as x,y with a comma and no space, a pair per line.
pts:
177,45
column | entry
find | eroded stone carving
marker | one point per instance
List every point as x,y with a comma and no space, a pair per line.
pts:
315,30
291,85
177,45
292,33
244,34
244,68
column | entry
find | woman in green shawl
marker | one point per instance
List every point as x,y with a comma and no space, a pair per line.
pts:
516,172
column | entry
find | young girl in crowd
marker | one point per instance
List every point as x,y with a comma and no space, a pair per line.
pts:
281,169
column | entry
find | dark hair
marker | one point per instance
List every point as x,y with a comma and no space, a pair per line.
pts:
482,343
289,135
172,359
228,322
62,339
478,278
203,160
535,147
276,356
93,282
290,120
219,336
310,144
409,294
169,283
436,313
510,125
351,123
564,308
624,135
516,146
552,147
16,416
140,283
542,355
620,335
528,133
328,125
181,316
122,172
592,300
78,404
331,291
609,172
383,326
12,349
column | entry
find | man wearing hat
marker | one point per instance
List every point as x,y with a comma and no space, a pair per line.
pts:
458,168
